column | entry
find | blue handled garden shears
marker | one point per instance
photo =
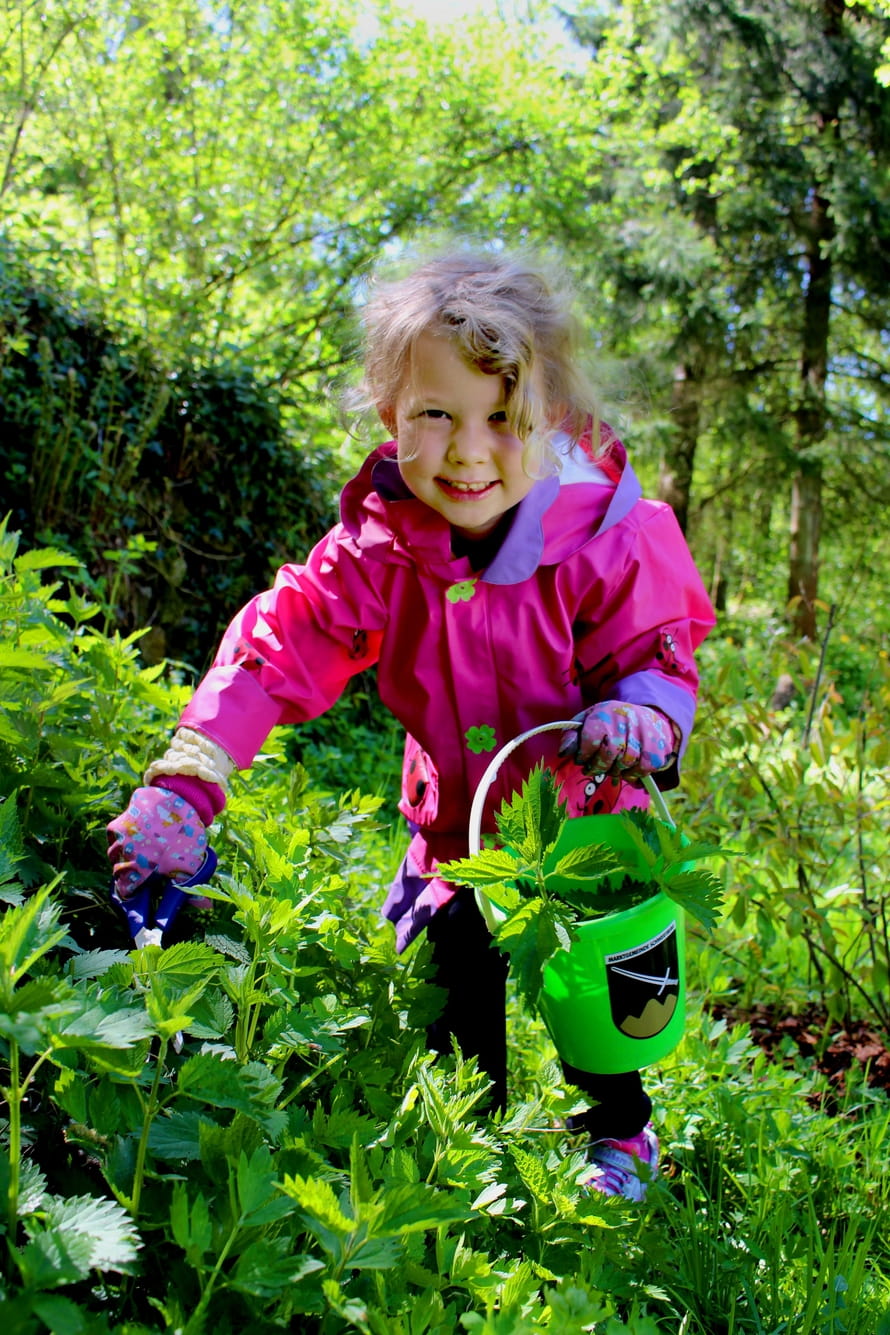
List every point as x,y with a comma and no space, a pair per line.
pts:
147,930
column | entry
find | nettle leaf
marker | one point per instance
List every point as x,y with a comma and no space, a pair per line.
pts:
112,1233
492,1199
53,1257
699,892
59,1314
543,896
212,1015
416,1208
510,823
27,933
183,965
488,867
98,1026
361,1187
319,1206
259,1199
36,1011
94,963
190,1223
319,1026
695,852
226,945
340,1128
177,1136
172,988
12,847
126,1063
222,1144
108,1107
544,813
269,1266
446,1106
40,996
595,862
77,1235
32,1184
250,1088
530,937
26,659
376,1254
520,1287
187,960
44,558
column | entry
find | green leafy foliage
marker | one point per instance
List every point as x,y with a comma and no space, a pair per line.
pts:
527,879
300,1162
797,787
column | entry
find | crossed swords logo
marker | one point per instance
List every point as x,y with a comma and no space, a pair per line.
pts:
660,981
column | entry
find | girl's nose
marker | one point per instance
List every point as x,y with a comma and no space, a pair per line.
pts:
468,445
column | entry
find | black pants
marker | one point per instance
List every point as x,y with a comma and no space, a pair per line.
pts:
473,973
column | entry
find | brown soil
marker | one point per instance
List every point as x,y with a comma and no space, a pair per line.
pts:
832,1048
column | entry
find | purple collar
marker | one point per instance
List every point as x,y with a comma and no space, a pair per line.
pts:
525,541
519,555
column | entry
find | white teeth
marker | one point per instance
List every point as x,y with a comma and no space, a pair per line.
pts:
469,486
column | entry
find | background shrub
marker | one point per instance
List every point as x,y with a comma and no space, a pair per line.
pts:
181,488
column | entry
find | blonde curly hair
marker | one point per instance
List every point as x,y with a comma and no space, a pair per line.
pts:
505,317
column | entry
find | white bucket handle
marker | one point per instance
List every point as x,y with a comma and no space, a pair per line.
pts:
488,778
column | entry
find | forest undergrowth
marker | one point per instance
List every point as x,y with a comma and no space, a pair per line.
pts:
243,1131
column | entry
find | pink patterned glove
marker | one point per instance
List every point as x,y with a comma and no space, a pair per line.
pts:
626,741
159,831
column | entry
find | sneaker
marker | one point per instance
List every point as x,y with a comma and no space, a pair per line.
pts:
615,1165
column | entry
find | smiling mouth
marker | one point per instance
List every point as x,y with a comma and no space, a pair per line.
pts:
464,489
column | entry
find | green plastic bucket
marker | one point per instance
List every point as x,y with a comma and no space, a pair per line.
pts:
616,999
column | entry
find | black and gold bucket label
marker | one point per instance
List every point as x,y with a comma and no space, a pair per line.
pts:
644,985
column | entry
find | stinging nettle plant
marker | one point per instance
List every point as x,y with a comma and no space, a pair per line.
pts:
537,912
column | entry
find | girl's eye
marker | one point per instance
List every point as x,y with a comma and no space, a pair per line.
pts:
500,416
437,414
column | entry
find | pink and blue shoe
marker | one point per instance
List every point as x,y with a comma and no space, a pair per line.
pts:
622,1167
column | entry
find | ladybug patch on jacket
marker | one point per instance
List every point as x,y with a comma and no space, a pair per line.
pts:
666,653
599,795
417,779
644,985
359,647
247,657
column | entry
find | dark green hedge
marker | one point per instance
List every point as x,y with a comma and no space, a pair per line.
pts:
105,451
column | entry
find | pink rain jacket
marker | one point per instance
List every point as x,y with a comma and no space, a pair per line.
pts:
591,596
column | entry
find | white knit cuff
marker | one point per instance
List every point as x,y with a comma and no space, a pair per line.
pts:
192,753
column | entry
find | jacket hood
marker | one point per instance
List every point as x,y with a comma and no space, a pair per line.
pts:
560,514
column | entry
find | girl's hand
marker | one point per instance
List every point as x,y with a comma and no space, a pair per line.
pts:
626,741
159,831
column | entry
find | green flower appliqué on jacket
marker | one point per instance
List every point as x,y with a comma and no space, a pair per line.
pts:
461,592
481,739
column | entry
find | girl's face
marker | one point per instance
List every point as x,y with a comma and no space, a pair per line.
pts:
457,452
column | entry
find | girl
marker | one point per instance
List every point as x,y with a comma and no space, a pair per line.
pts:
496,561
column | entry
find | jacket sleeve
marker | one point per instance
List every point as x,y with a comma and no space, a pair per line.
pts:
288,654
646,615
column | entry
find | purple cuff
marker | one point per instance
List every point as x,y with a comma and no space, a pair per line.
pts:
208,799
650,688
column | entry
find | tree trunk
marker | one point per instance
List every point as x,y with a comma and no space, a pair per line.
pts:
811,414
810,419
678,457
803,566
